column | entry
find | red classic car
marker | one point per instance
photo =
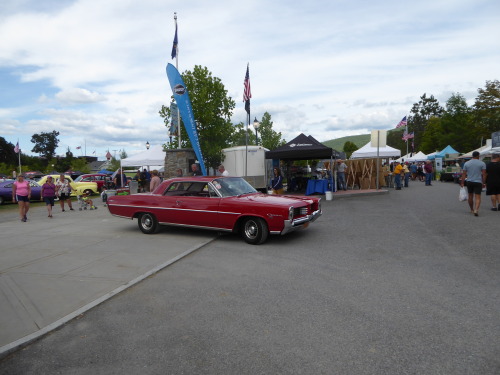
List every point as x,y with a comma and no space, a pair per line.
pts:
228,204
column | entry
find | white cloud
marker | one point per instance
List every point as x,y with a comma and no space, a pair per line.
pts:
328,69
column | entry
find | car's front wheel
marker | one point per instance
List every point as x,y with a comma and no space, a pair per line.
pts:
1,200
148,223
254,230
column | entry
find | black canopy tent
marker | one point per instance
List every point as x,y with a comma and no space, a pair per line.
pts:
303,147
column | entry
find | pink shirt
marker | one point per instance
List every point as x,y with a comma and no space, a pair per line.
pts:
22,188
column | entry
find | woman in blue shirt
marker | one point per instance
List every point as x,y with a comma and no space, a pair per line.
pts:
277,182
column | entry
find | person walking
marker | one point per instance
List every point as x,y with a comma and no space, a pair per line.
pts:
428,173
277,182
493,181
398,170
155,181
474,172
21,193
63,191
48,194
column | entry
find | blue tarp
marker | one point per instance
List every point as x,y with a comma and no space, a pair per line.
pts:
104,171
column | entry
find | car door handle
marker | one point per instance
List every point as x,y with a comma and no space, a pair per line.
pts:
178,203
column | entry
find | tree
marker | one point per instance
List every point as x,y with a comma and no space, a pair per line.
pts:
238,136
349,148
269,138
457,125
45,144
212,109
7,154
487,109
432,139
422,112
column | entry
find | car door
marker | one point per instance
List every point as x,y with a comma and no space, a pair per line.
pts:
196,206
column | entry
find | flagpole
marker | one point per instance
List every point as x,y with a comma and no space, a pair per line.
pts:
407,138
177,67
19,156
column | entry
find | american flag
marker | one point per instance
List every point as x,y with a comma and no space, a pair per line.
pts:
16,149
174,47
247,93
407,136
402,123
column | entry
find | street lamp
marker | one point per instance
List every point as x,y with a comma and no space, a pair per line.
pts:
147,145
256,125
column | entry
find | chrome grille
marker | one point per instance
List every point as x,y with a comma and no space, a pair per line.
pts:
300,211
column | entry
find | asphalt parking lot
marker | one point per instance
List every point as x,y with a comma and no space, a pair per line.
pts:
401,283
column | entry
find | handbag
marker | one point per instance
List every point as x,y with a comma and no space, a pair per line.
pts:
462,194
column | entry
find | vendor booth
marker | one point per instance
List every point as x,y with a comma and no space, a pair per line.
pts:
155,156
305,147
367,151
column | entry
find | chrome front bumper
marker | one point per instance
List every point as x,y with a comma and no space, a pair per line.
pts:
291,225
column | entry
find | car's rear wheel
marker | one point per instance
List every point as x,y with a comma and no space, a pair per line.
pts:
88,191
2,200
254,230
148,223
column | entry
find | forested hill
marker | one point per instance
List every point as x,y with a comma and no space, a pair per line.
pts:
358,140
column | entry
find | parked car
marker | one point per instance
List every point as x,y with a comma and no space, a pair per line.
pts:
98,178
228,204
6,191
78,188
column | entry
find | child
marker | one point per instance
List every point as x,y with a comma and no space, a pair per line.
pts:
86,199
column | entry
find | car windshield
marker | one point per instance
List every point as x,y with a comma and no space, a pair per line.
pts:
233,186
78,179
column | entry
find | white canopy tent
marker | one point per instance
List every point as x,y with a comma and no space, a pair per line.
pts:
419,156
155,156
483,151
367,152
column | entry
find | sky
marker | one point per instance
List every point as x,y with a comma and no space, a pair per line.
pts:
94,70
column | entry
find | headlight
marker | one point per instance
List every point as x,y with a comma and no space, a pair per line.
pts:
290,213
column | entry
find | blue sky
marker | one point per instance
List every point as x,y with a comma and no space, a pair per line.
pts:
95,71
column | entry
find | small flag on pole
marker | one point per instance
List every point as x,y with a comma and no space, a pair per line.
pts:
16,149
247,93
78,147
174,47
402,123
94,152
407,136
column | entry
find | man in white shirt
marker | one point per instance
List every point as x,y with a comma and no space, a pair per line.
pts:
222,171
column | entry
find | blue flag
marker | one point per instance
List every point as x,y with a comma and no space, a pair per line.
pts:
181,97
174,47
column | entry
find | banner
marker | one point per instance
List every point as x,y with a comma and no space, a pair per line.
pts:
182,99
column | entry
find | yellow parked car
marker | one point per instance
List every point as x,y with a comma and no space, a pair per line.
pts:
77,188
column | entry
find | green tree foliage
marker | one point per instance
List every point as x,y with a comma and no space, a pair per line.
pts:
45,144
349,148
487,109
421,113
7,154
269,138
239,134
395,140
212,109
80,164
433,137
456,125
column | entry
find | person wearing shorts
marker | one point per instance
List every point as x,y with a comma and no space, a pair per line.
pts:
474,171
63,191
48,194
21,193
493,181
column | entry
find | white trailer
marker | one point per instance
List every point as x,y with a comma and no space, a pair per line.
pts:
253,158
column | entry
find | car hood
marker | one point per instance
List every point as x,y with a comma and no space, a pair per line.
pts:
276,200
